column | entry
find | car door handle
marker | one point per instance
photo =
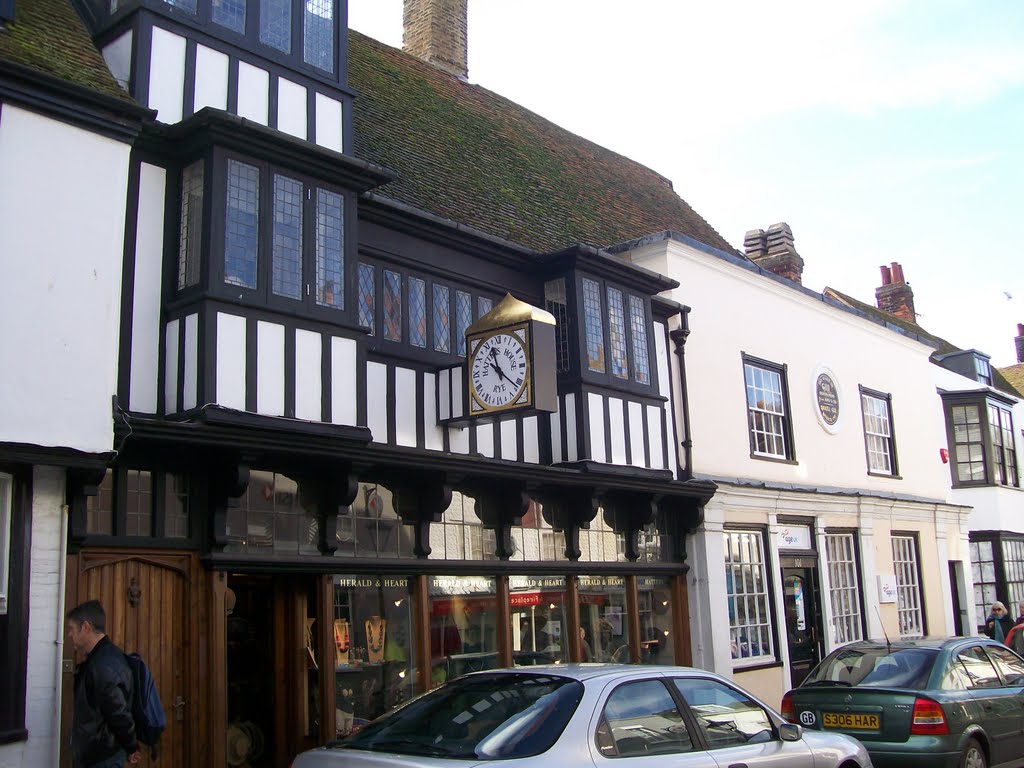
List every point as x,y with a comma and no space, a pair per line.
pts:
738,765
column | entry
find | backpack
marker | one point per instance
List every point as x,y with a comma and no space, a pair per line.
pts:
147,711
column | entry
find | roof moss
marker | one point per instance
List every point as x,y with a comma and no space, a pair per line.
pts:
467,154
49,37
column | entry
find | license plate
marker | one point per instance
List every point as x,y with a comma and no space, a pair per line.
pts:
851,721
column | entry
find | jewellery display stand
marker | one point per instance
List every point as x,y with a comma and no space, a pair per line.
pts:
341,642
376,628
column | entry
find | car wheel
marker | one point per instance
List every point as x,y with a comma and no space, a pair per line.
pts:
973,756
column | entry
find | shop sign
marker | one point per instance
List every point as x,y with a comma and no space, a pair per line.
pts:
536,582
461,585
827,400
373,582
886,588
602,582
651,582
795,537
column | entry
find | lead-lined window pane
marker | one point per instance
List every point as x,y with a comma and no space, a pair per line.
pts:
276,24
463,319
287,258
185,5
555,302
230,14
138,503
392,305
483,306
617,334
592,314
417,312
318,34
241,233
367,297
638,329
442,325
191,225
330,250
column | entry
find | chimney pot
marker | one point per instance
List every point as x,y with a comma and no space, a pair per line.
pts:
895,296
755,244
897,273
886,275
1019,342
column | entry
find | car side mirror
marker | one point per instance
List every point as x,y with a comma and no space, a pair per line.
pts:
790,732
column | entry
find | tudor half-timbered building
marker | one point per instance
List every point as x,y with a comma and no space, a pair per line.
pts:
290,507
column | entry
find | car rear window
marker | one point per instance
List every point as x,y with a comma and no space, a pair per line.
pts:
876,667
477,717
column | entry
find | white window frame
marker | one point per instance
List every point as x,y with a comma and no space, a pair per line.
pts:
6,513
767,401
844,587
909,601
746,552
876,409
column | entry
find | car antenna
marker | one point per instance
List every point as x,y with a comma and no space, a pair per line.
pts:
885,634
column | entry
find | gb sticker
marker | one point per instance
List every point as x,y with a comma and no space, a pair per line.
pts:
807,718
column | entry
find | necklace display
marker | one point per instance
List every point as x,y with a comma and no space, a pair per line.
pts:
341,641
375,630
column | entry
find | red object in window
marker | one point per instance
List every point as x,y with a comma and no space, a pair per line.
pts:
944,455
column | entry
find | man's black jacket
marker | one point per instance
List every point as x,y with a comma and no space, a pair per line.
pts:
103,721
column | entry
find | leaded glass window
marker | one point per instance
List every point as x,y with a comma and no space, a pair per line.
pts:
594,325
600,544
287,257
276,24
766,408
230,14
176,506
241,233
556,303
99,509
442,330
534,539
392,305
746,584
844,588
274,515
318,31
417,312
617,334
367,296
139,503
908,587
185,5
638,329
191,226
483,306
371,527
461,534
463,319
330,250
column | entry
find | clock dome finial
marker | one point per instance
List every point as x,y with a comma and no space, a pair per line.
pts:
508,311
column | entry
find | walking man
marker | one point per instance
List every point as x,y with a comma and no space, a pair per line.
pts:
102,732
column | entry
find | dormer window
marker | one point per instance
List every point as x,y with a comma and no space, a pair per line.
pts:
983,371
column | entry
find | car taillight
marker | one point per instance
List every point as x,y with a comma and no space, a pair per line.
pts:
788,710
928,719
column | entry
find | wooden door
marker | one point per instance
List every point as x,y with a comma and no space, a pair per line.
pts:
146,597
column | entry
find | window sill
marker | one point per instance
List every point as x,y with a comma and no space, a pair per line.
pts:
738,666
774,459
885,476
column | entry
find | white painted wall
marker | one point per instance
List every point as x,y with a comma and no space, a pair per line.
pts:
736,310
167,75
44,628
61,247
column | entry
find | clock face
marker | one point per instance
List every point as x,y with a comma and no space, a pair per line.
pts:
497,375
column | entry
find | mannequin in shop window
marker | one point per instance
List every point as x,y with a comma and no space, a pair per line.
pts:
610,648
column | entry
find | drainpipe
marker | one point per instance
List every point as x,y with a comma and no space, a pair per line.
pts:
58,681
678,337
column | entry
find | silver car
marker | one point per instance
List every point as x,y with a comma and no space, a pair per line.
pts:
587,715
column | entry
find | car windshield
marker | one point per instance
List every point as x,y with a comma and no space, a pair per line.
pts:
477,717
877,666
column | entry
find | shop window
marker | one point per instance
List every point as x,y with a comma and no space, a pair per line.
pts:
746,584
983,567
463,626
6,515
603,618
371,527
642,719
273,515
655,603
373,648
909,606
878,435
767,409
538,620
556,302
600,544
535,540
983,449
844,587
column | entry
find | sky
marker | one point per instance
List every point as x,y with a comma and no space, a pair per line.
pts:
880,130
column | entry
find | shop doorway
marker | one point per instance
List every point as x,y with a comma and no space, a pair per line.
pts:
273,669
801,601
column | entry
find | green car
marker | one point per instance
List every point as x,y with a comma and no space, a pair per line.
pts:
935,702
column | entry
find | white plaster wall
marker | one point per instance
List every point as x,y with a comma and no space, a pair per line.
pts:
44,628
61,249
736,310
167,75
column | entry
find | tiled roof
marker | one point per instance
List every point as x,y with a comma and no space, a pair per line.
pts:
48,36
1014,375
999,380
467,154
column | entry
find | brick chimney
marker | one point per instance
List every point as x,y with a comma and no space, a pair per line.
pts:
774,251
1019,341
435,31
894,295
